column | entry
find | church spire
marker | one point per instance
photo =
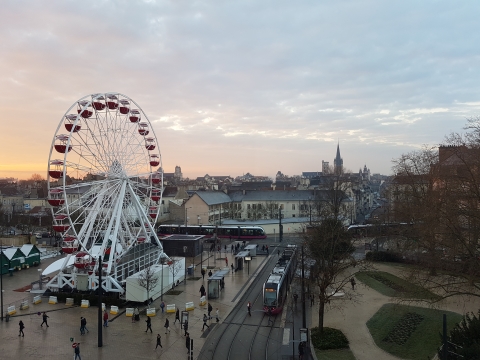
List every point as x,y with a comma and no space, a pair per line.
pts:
338,161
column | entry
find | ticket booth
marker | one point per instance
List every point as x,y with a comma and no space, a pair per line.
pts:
252,249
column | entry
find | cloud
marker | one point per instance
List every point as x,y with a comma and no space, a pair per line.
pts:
266,86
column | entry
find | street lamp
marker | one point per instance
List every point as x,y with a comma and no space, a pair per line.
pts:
186,218
198,219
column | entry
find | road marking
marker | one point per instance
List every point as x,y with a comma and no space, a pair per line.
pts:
286,336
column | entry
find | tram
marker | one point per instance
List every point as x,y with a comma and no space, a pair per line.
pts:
276,286
209,231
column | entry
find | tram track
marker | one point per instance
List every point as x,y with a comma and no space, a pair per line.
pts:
237,337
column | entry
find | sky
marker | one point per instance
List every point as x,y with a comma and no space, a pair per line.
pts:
231,87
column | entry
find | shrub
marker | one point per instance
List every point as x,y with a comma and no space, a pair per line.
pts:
330,339
386,256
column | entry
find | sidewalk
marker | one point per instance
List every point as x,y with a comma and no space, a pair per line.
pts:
122,337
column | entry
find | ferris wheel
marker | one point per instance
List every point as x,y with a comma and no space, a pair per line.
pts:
105,188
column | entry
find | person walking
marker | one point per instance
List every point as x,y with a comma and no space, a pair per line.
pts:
167,325
21,327
149,324
295,298
83,325
249,308
210,273
231,265
210,308
77,352
205,318
202,291
301,350
45,317
203,273
177,316
136,315
352,281
187,343
105,318
162,306
226,261
217,315
159,342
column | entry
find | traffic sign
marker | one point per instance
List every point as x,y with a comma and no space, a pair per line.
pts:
74,345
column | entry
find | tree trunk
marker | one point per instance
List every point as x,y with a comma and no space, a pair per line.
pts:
321,314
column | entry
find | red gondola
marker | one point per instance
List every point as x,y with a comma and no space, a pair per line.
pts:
56,197
124,107
69,244
99,103
150,144
82,260
85,109
61,144
112,102
155,195
143,129
70,121
134,116
141,240
154,160
156,178
60,226
152,212
56,170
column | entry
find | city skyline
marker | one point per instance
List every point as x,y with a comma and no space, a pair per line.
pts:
232,88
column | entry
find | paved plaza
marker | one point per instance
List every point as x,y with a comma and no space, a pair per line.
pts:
122,338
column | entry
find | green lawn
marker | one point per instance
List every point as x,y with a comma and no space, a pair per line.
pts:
391,285
340,354
421,341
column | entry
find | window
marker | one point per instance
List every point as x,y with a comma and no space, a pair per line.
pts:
293,206
248,207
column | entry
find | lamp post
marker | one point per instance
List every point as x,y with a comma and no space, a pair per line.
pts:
186,218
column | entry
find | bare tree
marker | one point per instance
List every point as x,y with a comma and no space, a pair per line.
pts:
174,268
148,280
439,193
332,247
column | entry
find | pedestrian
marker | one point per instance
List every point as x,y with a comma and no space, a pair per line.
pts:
162,306
249,308
136,315
21,326
159,342
278,252
263,247
77,352
205,318
187,342
232,249
217,316
312,300
202,290
83,325
266,248
177,316
226,261
203,273
295,298
210,308
210,273
352,281
301,350
45,317
167,325
105,318
225,249
231,265
149,324
185,328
